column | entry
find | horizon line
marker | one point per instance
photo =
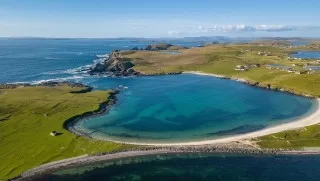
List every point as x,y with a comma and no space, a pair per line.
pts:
253,37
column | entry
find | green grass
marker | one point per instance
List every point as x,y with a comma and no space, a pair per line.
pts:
304,137
222,59
29,114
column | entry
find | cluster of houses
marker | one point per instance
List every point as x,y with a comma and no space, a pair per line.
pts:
291,70
294,58
246,67
280,67
307,68
265,53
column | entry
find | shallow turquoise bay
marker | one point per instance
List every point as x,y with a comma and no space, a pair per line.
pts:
182,108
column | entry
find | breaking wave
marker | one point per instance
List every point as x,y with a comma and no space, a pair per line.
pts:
63,79
51,58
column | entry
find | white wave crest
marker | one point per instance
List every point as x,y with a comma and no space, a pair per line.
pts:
72,78
79,70
51,58
103,56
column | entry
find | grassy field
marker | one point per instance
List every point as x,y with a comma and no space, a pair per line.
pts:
304,137
222,59
29,114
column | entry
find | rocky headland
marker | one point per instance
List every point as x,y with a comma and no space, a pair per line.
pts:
119,65
115,64
160,46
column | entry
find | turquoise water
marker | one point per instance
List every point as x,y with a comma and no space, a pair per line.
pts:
197,167
182,108
307,54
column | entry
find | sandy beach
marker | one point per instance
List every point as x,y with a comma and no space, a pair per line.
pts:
313,118
202,73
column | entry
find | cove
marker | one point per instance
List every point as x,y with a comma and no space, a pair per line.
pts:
201,166
187,107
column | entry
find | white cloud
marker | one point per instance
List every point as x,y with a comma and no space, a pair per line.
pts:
253,28
174,33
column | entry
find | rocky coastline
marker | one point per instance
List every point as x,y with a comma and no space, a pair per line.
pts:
103,108
84,88
115,65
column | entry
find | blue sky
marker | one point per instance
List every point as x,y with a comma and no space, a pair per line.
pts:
165,18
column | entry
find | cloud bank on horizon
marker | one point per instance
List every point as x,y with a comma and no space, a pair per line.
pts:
228,29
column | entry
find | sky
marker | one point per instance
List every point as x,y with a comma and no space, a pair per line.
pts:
164,18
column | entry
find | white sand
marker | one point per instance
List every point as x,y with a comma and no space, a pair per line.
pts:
201,73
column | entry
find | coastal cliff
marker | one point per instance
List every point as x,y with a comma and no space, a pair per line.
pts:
116,65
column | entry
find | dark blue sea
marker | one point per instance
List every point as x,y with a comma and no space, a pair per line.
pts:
196,167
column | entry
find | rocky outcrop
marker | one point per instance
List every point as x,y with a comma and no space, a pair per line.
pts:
163,46
116,65
159,46
84,88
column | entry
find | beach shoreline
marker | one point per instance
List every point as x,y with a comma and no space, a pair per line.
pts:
311,119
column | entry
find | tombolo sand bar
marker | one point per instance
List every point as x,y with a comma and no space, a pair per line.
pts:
313,118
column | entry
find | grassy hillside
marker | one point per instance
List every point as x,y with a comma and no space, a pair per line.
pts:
29,114
222,59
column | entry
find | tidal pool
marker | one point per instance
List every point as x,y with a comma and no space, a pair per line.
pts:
183,108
